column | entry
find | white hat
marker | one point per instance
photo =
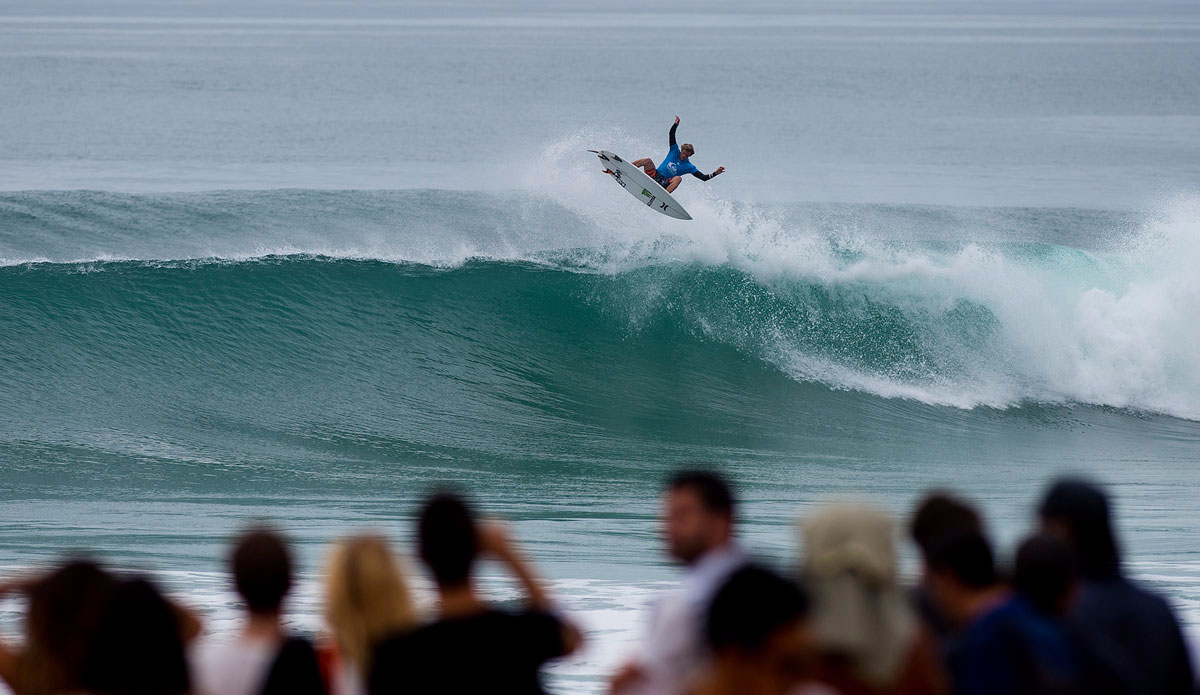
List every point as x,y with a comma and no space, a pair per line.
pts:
859,610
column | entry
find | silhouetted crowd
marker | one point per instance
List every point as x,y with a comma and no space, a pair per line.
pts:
1060,618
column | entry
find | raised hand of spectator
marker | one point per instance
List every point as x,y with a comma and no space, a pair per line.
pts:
494,540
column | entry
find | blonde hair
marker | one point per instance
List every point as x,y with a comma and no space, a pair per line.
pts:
366,597
687,147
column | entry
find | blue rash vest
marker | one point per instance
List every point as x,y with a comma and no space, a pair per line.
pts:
674,165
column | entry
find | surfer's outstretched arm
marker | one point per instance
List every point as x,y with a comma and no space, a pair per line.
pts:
671,135
706,177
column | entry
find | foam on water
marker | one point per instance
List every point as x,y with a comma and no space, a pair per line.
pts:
1113,328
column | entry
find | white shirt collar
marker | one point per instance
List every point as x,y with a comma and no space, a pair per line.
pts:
706,574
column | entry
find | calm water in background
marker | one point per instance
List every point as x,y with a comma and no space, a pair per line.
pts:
307,267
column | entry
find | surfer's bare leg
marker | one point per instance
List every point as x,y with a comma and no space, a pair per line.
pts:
647,166
673,183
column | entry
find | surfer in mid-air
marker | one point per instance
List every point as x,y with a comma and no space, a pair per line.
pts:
670,173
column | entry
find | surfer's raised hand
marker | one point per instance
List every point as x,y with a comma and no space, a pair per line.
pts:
720,170
677,120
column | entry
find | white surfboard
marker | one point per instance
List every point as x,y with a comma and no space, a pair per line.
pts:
642,187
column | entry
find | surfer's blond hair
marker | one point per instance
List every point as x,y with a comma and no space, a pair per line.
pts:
687,147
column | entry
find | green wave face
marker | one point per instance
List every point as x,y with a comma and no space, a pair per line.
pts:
284,333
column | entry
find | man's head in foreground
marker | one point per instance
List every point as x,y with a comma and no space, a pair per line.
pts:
698,512
448,539
262,570
757,632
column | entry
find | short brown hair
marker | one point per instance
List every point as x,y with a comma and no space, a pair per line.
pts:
715,494
939,516
687,147
447,538
262,569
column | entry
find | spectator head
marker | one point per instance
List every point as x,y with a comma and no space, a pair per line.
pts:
138,649
448,539
860,614
756,628
366,597
1044,574
941,515
1077,511
66,608
698,514
959,569
262,569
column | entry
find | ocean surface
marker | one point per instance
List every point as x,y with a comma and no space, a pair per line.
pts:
308,263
